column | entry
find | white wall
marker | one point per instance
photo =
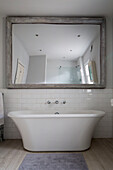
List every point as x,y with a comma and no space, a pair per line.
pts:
36,70
19,53
35,99
83,75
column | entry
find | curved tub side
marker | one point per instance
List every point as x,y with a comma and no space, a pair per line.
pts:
50,134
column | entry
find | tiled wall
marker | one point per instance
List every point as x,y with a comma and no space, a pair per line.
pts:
75,100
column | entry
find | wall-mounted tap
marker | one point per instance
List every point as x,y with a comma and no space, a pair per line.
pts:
56,113
64,102
48,102
56,102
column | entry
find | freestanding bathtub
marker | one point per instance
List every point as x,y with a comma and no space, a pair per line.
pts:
56,132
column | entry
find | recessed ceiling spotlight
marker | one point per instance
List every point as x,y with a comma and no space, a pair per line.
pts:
40,50
36,35
70,50
78,35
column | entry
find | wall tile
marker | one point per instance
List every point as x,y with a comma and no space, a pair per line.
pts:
76,99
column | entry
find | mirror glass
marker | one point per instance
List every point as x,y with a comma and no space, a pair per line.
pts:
55,54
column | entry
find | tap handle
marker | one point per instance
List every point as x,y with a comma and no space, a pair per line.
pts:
48,102
64,102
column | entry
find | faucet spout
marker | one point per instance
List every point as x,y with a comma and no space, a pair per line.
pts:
56,102
57,113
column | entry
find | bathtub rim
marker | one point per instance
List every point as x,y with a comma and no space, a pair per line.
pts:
37,114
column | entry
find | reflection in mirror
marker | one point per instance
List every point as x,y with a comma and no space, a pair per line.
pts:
55,54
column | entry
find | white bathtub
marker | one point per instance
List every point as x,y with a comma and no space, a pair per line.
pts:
51,132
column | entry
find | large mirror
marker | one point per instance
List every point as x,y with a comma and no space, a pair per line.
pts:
55,52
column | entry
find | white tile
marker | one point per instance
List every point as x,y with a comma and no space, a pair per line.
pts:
76,99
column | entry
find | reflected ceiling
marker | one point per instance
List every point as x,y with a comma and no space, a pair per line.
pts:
56,41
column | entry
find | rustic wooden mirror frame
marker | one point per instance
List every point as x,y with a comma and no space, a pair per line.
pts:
55,20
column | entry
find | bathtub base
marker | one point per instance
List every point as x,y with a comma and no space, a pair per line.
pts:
57,134
56,149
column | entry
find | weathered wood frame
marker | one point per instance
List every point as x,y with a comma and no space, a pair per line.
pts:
56,20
